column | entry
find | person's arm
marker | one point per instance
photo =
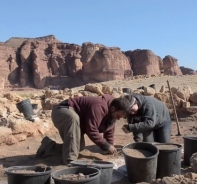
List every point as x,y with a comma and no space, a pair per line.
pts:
148,117
137,137
93,120
109,135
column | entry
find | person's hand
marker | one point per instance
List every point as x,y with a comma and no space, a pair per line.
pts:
125,128
112,150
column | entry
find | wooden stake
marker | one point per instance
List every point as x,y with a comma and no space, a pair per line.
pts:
176,118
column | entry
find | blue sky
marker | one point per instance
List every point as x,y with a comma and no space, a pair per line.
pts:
166,27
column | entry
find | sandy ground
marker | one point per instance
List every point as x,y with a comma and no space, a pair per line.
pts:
23,153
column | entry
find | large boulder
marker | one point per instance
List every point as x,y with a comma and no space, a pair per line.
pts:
104,63
193,97
182,92
9,66
170,65
187,71
144,62
43,58
94,88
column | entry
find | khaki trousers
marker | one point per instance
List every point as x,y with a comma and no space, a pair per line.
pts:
67,121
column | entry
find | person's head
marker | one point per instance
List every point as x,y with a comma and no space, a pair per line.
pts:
118,108
133,104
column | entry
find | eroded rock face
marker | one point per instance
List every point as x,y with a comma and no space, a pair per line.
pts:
9,67
43,59
144,62
104,63
188,71
74,63
170,65
46,61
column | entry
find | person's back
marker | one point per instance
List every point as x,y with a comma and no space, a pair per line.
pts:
91,110
148,118
161,111
75,117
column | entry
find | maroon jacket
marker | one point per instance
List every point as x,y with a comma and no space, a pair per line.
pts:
95,118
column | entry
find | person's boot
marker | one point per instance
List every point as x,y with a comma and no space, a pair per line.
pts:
44,144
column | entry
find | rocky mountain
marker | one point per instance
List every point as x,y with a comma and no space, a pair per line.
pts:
43,61
188,71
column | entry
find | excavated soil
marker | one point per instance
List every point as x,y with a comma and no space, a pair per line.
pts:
74,177
167,147
23,153
23,171
137,153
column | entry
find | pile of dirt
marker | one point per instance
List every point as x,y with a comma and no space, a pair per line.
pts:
137,153
74,177
166,146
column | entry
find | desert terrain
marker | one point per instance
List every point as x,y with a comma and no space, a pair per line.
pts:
23,153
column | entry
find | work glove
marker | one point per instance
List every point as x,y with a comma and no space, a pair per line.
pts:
112,150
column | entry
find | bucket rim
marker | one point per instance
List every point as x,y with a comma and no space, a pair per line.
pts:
190,137
179,147
9,170
27,99
100,163
78,181
156,154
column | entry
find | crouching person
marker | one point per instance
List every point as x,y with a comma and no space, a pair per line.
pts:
148,119
83,115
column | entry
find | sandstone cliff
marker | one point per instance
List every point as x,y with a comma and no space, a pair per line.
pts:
39,62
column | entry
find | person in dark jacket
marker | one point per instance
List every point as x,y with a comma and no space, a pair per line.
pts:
148,119
83,115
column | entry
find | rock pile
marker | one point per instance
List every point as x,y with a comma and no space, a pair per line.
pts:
14,127
188,178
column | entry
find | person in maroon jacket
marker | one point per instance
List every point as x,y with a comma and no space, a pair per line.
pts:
83,115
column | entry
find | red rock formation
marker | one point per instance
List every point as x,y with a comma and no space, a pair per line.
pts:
74,63
9,67
45,61
170,65
144,62
188,71
102,63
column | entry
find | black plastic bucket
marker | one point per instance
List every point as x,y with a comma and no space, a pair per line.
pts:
141,87
93,173
141,169
153,86
34,106
169,159
190,147
25,107
106,168
20,175
126,90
